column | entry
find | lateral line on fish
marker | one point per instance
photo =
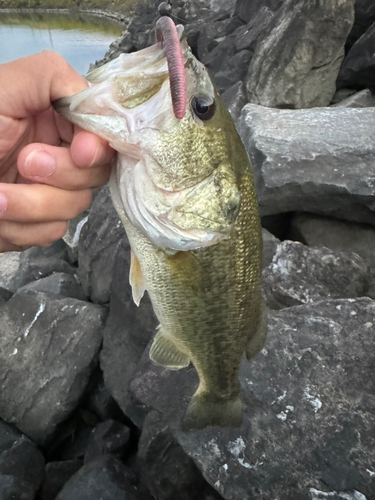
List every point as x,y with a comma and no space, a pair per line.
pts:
167,34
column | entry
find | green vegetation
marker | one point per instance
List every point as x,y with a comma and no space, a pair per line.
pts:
125,7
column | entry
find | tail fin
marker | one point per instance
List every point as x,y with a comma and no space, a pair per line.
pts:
205,410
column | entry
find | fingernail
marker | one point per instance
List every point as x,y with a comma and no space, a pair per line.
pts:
39,164
3,203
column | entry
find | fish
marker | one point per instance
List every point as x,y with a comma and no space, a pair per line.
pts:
184,190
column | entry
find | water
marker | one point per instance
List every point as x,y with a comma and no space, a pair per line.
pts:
80,38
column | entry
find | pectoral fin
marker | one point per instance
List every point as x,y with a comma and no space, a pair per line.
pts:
136,279
164,352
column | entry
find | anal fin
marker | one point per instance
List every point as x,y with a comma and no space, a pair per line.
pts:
164,352
136,279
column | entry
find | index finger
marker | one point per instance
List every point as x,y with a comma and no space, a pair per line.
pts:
28,85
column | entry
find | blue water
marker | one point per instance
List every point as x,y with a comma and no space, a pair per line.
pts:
80,45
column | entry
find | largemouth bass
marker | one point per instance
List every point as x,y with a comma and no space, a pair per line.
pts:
184,190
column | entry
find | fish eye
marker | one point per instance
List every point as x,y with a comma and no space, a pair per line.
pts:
203,107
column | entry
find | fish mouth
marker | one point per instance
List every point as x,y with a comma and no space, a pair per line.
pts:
187,219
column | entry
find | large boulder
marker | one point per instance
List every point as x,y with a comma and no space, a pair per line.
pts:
296,62
317,160
48,349
309,409
358,69
300,275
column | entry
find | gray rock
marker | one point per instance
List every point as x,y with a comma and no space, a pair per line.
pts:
48,349
342,94
334,495
21,464
309,410
37,263
313,160
100,237
101,403
5,295
296,62
218,58
358,68
246,37
234,70
364,17
301,275
270,243
222,5
109,437
127,333
235,99
9,265
61,284
12,488
339,235
246,10
57,474
362,99
165,468
100,479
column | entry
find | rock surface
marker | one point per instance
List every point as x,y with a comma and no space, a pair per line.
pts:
21,465
9,265
246,10
270,243
167,471
362,99
100,237
300,275
57,474
108,437
296,61
47,354
358,68
316,160
309,408
128,331
339,235
363,19
61,284
100,479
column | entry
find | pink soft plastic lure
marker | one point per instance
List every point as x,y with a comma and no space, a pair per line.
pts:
167,34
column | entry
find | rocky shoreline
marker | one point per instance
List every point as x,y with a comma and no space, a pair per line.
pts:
84,413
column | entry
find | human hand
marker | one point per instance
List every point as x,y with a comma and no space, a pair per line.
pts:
43,182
